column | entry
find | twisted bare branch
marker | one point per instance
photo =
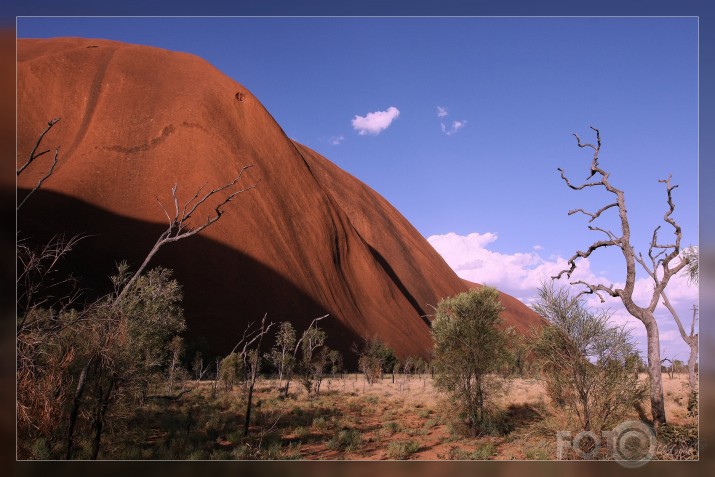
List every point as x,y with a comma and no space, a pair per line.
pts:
34,156
179,227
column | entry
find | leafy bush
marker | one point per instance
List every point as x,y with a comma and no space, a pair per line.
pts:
470,348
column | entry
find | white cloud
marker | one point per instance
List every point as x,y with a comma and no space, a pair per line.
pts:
520,274
537,247
456,125
336,140
375,122
454,128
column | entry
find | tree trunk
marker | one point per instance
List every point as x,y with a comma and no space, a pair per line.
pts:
75,407
692,380
99,419
247,422
657,403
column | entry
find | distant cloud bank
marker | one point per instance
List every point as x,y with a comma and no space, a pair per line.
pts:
454,128
520,274
376,122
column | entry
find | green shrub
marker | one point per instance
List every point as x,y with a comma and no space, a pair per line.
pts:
470,348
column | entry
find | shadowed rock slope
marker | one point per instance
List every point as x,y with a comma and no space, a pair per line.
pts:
309,239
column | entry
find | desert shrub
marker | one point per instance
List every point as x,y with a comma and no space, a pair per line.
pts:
482,452
389,428
320,423
301,432
470,348
242,452
693,404
677,442
587,363
537,453
292,452
400,450
345,439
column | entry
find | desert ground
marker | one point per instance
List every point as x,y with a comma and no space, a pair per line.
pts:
353,420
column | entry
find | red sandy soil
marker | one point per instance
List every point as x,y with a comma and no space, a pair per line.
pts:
309,239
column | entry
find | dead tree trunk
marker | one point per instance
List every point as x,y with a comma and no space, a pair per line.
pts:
690,339
252,358
660,255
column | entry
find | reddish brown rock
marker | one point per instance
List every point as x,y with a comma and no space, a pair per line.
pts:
309,239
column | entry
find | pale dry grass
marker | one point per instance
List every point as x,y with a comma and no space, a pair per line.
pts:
407,419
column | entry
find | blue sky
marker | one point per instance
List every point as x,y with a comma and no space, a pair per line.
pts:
513,90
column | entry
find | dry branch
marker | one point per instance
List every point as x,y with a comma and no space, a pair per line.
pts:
34,155
179,227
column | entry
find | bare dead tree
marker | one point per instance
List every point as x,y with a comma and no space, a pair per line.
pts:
691,339
661,254
179,227
33,156
250,356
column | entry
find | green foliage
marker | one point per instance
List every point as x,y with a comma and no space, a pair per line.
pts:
281,355
587,364
469,349
376,358
232,370
312,363
118,347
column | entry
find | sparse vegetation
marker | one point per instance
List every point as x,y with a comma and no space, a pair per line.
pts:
400,450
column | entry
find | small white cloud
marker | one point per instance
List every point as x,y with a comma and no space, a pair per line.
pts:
442,113
375,122
538,247
336,140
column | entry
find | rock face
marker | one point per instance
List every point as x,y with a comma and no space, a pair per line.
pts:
310,239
